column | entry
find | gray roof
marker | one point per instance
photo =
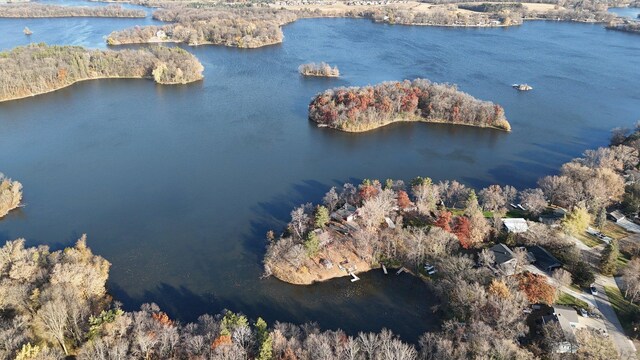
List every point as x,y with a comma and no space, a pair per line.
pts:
543,259
502,253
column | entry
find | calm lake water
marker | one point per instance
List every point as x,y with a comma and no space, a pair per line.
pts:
630,12
177,185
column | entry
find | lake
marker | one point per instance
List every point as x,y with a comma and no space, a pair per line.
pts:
177,185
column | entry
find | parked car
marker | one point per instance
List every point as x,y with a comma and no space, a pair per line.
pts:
583,312
593,289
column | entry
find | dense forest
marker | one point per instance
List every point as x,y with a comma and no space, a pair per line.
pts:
364,108
321,69
10,195
33,10
245,28
39,68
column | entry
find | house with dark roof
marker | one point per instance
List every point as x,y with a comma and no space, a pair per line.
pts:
616,216
505,259
543,259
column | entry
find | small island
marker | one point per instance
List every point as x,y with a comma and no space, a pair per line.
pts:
38,68
319,70
33,10
10,195
358,109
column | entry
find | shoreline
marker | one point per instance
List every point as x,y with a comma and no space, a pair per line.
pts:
377,126
72,16
170,41
89,79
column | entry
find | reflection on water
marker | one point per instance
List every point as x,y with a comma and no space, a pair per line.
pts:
177,185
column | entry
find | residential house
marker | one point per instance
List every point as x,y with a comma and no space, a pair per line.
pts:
616,216
543,259
515,225
346,213
505,259
567,318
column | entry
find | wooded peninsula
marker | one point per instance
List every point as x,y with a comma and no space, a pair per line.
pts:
476,251
243,28
358,109
10,195
33,10
38,68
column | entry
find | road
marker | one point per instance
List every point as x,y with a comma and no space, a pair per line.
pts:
625,347
623,344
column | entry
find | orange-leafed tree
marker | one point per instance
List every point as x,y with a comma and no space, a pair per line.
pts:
220,341
403,199
500,289
536,287
444,221
462,229
162,318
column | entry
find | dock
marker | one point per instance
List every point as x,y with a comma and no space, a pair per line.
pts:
355,278
402,269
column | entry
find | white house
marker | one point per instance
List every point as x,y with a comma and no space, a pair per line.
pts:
515,225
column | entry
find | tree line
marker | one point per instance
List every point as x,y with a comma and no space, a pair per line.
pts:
10,194
33,10
54,305
365,108
245,28
39,68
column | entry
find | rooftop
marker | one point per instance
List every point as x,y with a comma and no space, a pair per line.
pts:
502,253
515,225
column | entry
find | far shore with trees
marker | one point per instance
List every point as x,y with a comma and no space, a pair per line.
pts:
10,195
320,70
38,68
260,23
358,109
35,10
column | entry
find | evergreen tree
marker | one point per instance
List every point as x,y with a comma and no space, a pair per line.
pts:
608,261
322,216
601,218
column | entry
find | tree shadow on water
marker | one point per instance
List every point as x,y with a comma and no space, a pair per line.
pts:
275,213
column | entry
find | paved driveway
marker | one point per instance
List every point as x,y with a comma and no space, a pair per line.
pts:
623,344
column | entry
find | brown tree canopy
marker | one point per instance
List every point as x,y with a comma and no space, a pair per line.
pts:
39,68
365,108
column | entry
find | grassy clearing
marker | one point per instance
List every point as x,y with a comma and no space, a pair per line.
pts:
614,231
627,312
570,300
588,239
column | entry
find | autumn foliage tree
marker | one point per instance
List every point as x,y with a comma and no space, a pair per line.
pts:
536,287
364,108
403,199
444,221
462,229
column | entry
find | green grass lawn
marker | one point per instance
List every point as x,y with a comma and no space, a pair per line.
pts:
588,239
614,231
625,310
570,300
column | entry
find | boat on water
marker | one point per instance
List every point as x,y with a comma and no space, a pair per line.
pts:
522,87
27,31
